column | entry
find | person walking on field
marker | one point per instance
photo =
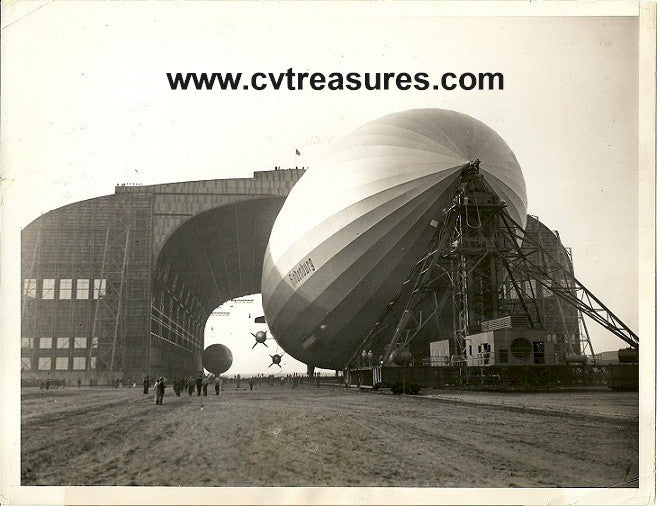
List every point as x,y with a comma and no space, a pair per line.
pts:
147,384
199,384
217,385
206,381
159,390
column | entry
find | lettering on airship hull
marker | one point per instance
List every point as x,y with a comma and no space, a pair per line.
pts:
302,270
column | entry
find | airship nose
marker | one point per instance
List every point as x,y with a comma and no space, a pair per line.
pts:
360,216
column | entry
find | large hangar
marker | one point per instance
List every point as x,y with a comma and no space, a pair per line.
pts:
120,286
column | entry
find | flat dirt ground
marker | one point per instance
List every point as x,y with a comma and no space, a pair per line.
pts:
329,436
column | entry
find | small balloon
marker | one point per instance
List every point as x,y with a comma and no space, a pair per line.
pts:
217,358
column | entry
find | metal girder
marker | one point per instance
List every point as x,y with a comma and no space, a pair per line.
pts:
476,252
109,314
28,305
578,296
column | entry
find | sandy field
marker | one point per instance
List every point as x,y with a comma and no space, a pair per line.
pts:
329,436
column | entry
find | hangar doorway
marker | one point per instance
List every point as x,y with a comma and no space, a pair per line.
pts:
234,324
213,257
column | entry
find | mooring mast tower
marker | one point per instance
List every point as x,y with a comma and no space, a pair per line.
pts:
488,266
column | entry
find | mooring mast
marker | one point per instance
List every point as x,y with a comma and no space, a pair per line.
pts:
488,266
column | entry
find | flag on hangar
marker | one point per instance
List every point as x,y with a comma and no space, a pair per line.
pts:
297,152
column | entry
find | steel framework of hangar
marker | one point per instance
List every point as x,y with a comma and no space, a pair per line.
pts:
121,285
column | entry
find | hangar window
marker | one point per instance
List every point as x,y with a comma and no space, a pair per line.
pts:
79,363
546,292
30,288
99,288
61,364
26,342
26,364
63,342
511,291
530,287
65,288
80,342
45,343
44,363
82,291
94,343
48,289
92,362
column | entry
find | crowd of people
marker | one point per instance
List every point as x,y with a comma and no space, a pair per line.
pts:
200,383
48,383
194,384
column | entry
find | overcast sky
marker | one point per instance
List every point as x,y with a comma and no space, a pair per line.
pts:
86,105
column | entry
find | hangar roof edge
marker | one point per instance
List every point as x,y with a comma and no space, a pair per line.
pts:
279,175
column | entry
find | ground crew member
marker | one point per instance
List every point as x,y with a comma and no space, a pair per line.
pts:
199,384
159,390
147,384
217,385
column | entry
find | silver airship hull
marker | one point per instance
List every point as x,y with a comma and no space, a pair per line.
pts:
354,225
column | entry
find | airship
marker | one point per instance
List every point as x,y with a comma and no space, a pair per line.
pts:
354,225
